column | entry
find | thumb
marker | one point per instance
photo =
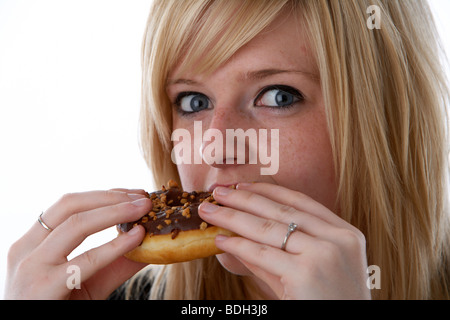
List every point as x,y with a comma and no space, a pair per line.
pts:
108,279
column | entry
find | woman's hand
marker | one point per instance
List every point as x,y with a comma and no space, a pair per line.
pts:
325,258
37,262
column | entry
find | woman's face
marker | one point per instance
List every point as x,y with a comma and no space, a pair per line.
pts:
270,83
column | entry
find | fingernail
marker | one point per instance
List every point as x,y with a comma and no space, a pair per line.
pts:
222,191
243,185
135,196
208,207
133,231
221,237
140,202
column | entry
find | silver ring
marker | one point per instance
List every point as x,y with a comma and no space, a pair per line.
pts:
291,228
46,227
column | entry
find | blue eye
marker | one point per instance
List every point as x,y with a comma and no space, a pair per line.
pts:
278,97
190,102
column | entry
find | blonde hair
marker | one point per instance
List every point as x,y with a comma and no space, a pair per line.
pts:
385,96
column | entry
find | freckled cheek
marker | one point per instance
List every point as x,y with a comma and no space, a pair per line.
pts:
306,165
293,154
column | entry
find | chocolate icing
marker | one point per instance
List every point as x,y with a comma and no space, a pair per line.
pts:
174,210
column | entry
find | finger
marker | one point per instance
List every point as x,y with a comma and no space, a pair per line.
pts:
67,206
271,260
292,198
340,232
79,226
106,280
272,281
96,259
84,201
266,208
255,228
132,191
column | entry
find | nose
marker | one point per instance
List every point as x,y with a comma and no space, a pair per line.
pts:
224,118
228,140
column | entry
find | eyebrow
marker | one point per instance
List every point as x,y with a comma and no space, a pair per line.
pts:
250,75
171,82
265,73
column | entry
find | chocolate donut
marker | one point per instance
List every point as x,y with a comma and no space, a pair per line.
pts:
174,230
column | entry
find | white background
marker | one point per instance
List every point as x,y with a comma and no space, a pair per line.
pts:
69,104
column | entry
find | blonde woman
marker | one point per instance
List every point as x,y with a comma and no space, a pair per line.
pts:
363,158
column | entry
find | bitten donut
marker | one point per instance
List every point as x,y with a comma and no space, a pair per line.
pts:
174,230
